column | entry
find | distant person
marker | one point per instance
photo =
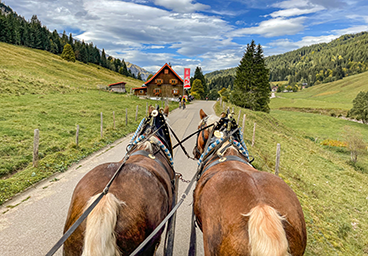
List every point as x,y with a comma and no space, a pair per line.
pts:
184,100
180,101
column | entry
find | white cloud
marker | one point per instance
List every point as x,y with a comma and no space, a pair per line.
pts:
273,27
181,6
295,12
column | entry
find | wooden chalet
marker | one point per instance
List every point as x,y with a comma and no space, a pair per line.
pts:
140,91
165,83
117,87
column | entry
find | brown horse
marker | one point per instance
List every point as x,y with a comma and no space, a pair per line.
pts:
243,211
138,200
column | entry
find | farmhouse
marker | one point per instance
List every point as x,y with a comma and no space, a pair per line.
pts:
117,87
140,91
165,83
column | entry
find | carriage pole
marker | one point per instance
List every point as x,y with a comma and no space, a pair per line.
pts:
170,231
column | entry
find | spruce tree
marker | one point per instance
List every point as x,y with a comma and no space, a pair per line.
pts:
251,86
139,76
103,59
68,53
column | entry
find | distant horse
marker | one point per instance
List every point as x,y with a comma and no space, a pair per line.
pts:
138,200
240,210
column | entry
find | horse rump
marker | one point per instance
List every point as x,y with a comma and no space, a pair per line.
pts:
99,238
266,233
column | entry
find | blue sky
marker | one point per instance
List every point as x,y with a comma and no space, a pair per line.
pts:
211,34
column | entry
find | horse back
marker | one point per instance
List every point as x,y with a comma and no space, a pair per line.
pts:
147,200
230,190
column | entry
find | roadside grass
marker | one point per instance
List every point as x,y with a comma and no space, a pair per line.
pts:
333,195
56,116
318,128
335,95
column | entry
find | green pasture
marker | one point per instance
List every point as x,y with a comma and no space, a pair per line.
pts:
30,71
332,193
338,95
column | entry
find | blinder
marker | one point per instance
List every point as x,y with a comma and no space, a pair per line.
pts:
156,122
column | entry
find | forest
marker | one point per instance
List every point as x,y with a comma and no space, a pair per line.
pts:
315,64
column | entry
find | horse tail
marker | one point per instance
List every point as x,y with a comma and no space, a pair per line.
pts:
266,233
99,237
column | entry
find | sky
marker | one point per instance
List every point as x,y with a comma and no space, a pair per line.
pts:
211,34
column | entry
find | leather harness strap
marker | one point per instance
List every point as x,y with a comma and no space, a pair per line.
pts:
224,159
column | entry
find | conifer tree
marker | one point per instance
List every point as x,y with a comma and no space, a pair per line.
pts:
68,53
139,76
251,86
103,59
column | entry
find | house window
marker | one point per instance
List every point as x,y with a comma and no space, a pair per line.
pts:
173,81
159,81
156,91
166,71
175,92
140,91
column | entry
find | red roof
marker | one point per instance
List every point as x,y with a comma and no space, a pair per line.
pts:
117,83
158,72
139,88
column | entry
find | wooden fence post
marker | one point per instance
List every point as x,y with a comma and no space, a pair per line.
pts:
254,134
35,147
278,149
101,126
220,101
126,117
136,114
77,136
239,116
113,116
232,110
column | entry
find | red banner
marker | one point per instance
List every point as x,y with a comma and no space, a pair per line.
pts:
187,78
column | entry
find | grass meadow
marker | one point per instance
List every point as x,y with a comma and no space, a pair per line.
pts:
337,97
333,195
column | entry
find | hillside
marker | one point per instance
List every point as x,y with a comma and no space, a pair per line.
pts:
315,64
332,193
25,70
336,96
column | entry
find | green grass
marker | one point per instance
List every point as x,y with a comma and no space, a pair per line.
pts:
41,91
332,193
338,95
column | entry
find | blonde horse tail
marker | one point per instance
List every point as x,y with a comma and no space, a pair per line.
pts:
99,237
267,236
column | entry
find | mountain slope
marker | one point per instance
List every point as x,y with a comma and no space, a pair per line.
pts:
136,69
315,64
